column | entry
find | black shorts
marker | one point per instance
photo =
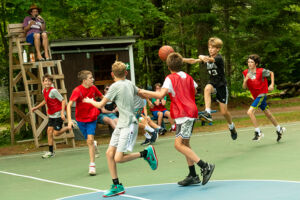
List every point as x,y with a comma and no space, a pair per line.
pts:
221,94
56,123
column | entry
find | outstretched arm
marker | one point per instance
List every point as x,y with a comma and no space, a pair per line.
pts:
100,104
191,60
158,95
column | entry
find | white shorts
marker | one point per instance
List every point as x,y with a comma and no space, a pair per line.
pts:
124,138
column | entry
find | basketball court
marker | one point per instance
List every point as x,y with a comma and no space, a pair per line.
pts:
244,170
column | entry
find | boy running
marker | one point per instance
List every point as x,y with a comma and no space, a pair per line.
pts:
123,138
182,88
56,111
255,80
85,114
217,83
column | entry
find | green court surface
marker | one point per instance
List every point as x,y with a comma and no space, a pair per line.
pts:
243,167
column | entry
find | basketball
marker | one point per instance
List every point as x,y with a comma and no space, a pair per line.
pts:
164,51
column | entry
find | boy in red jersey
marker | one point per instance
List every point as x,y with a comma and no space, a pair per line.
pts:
255,80
56,111
85,114
182,88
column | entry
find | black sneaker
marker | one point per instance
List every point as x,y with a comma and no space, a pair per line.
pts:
206,172
154,136
233,133
279,133
257,136
162,131
147,141
189,180
205,116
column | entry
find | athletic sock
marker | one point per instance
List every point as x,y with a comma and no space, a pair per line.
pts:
147,135
92,164
208,110
192,171
144,153
202,164
51,148
231,126
278,128
258,130
116,181
149,129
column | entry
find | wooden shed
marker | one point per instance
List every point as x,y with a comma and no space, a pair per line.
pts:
94,54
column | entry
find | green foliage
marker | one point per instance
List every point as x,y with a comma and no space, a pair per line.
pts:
4,111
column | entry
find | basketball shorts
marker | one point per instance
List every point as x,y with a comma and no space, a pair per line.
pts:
87,128
124,138
56,123
221,94
185,129
260,102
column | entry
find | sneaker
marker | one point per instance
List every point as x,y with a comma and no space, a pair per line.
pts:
97,153
151,157
92,170
147,141
162,131
154,137
189,180
257,136
48,155
172,129
233,133
279,133
206,172
205,116
114,190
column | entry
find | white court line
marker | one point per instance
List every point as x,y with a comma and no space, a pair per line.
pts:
160,184
66,184
166,138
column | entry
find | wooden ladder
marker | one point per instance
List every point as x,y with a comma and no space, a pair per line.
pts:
26,87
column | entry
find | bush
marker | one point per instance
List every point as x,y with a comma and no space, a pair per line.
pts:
4,111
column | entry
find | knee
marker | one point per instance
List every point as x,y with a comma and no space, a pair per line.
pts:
118,159
90,142
249,112
36,36
44,35
109,154
159,114
207,89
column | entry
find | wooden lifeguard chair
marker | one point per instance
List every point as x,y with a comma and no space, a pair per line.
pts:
26,87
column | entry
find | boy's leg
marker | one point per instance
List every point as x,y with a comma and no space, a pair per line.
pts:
224,111
184,132
109,121
257,133
208,90
45,45
37,44
50,153
167,114
159,118
91,146
279,129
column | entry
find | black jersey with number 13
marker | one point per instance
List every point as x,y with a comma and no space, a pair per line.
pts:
216,72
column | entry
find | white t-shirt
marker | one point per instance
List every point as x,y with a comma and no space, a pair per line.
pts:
168,85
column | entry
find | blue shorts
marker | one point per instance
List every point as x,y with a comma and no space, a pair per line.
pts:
87,128
154,113
109,115
30,38
260,102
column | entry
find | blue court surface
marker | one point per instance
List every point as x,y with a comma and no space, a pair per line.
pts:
214,190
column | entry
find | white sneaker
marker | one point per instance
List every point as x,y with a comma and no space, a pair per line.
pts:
92,170
48,155
97,153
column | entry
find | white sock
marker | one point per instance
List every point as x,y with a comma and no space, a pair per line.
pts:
92,164
257,130
149,129
278,128
231,126
173,126
208,110
158,127
147,135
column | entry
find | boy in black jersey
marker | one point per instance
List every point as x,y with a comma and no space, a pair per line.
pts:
217,83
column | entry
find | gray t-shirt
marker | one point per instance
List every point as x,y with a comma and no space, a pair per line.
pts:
138,102
265,73
54,94
122,93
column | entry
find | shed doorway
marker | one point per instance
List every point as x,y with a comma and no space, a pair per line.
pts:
102,69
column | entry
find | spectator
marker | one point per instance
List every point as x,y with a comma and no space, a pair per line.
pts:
108,112
35,27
